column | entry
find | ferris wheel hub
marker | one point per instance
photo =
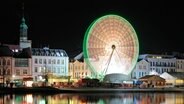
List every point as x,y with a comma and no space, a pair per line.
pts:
113,46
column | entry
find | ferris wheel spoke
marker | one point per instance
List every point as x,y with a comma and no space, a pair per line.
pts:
96,51
98,39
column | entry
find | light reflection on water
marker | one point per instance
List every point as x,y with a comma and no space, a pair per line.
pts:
96,98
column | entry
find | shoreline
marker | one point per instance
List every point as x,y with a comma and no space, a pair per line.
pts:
118,90
49,90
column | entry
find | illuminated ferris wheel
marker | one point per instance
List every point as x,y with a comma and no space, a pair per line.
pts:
111,46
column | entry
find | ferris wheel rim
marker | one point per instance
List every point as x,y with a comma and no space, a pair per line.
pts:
87,36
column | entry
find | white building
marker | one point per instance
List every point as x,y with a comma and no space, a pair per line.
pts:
141,69
49,61
154,63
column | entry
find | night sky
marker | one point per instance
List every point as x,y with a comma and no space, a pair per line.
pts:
61,24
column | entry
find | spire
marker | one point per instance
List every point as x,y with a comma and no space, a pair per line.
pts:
23,26
24,42
23,21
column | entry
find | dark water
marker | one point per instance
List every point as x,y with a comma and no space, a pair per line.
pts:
96,98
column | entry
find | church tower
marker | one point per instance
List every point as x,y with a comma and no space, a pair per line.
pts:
23,42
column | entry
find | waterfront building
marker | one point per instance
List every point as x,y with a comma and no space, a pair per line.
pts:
154,63
141,69
179,65
153,81
15,66
22,70
78,68
51,64
6,60
173,78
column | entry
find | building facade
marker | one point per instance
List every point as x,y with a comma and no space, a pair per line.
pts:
78,69
141,69
154,63
53,62
180,65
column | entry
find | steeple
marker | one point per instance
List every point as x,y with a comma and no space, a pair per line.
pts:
24,42
23,27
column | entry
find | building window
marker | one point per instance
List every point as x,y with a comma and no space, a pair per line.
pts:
36,69
58,61
8,63
8,72
153,63
62,62
139,74
25,71
54,61
21,62
4,62
35,78
36,61
45,61
49,61
140,67
40,61
17,72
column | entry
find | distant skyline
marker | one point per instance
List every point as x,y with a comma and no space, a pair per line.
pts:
62,25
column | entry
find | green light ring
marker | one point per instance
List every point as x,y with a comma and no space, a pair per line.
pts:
88,32
85,47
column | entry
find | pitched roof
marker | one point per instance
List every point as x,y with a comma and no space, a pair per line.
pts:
152,78
49,52
25,53
5,51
